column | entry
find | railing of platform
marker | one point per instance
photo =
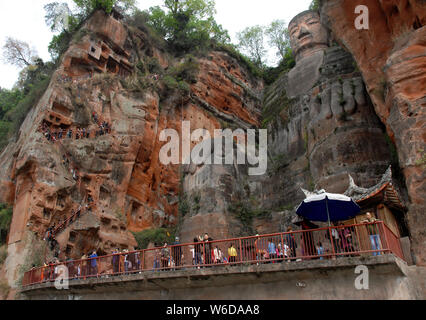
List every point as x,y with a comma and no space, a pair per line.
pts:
326,243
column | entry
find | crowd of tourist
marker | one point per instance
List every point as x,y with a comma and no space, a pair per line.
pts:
204,252
52,243
104,128
86,267
125,261
80,133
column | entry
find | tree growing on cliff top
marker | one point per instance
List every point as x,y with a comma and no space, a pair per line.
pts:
88,6
279,37
251,41
315,5
187,24
58,16
18,53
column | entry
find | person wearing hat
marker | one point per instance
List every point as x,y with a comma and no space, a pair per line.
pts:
177,252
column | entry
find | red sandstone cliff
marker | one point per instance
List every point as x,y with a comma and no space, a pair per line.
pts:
120,171
106,72
391,56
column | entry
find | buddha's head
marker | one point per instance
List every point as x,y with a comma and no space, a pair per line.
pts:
307,34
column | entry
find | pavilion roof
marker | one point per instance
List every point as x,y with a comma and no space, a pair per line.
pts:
384,192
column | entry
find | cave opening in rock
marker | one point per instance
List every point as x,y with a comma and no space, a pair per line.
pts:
61,109
112,65
46,214
60,201
73,237
69,250
417,24
135,209
105,221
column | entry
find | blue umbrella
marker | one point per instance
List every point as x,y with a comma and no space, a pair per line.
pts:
327,207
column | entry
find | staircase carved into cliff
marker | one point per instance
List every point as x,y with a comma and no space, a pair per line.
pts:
70,161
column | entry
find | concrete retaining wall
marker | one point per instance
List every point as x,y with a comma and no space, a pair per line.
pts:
389,278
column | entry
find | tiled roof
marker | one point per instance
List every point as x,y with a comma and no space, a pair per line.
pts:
384,187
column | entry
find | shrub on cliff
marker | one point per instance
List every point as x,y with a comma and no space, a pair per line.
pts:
170,83
17,115
5,221
184,207
8,101
187,70
233,52
271,74
246,213
3,254
156,236
16,103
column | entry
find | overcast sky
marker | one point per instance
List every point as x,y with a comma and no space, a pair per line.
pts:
24,20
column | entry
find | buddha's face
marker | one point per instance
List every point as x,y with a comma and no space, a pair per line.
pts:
307,35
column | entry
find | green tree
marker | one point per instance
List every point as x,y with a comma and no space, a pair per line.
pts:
33,74
315,5
5,128
88,6
271,74
58,45
158,20
58,16
200,9
9,99
187,24
251,41
279,37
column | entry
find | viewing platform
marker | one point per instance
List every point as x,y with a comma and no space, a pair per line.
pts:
174,272
311,279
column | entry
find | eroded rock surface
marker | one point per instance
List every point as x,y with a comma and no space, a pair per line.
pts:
323,124
120,171
391,56
326,126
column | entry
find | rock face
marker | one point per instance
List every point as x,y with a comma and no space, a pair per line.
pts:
119,173
391,56
325,127
322,125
